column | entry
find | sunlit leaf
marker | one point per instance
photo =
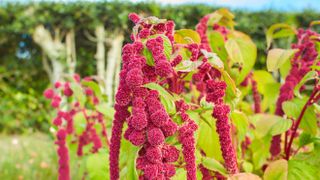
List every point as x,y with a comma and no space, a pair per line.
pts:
277,57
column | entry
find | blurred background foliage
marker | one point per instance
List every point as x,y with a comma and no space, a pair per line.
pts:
23,78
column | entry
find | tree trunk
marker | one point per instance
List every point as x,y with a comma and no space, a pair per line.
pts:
71,51
100,54
52,48
113,57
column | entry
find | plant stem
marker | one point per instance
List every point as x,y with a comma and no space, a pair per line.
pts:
314,92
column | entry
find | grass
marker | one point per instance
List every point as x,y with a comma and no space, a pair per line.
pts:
28,157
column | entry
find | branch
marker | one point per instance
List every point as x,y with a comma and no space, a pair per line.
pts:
89,36
308,103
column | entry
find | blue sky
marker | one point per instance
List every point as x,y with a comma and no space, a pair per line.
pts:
281,5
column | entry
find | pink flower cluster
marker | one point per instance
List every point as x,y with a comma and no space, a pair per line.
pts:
207,80
63,154
256,96
202,28
255,93
148,123
64,121
301,63
163,66
187,140
220,112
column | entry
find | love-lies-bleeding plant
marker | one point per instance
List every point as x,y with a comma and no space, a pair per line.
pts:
305,56
160,68
190,105
79,119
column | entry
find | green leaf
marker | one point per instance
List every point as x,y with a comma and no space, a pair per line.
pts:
285,31
276,170
247,166
97,165
208,139
166,98
280,127
186,36
248,52
309,76
146,53
260,151
234,51
216,42
106,110
180,174
167,49
78,93
285,69
262,77
267,124
79,122
305,139
240,121
293,109
302,170
277,57
188,66
213,165
270,96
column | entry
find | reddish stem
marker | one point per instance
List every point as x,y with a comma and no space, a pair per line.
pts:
299,121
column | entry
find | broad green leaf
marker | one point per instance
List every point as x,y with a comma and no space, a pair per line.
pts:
302,170
305,139
128,157
146,53
248,52
280,127
97,165
285,30
277,57
262,77
78,93
208,139
188,66
234,51
270,96
180,174
276,170
267,124
213,165
216,42
230,82
293,109
309,76
79,122
186,36
166,98
285,69
240,121
247,166
260,151
106,110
